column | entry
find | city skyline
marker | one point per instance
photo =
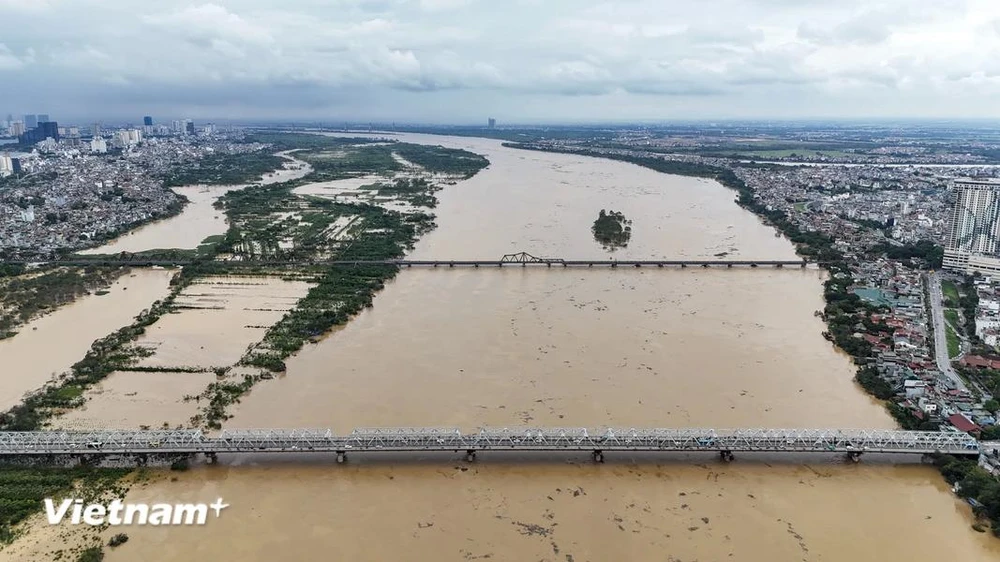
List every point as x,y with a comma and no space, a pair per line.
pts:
448,61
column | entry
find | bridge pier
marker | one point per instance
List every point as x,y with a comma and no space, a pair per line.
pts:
212,458
470,455
729,266
598,456
726,456
341,457
854,456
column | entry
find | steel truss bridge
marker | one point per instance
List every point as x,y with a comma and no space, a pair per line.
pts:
726,442
522,259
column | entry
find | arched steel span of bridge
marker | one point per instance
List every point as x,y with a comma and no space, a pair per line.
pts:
522,259
726,442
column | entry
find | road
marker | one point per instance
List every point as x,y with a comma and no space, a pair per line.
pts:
940,335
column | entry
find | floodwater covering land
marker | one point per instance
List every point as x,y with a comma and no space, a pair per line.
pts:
48,346
199,219
596,347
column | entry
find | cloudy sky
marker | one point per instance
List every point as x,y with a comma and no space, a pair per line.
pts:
521,61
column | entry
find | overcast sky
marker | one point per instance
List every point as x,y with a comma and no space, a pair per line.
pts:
461,61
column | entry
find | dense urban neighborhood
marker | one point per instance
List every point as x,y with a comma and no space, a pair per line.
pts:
68,196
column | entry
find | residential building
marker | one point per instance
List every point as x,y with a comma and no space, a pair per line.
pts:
973,240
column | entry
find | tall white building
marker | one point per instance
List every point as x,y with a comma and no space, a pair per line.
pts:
973,242
127,137
98,145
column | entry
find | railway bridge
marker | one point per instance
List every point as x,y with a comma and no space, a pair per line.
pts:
725,442
522,259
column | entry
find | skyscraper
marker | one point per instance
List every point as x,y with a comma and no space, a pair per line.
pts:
147,121
30,122
973,241
48,129
492,123
95,130
189,127
43,117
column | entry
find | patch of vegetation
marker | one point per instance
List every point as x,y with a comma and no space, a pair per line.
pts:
224,169
118,540
345,160
440,160
989,378
868,377
91,554
928,252
950,292
612,230
26,296
350,161
22,489
297,141
954,344
416,191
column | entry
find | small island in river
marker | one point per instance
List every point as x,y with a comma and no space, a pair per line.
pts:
612,230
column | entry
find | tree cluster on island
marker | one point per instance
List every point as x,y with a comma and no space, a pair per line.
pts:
612,230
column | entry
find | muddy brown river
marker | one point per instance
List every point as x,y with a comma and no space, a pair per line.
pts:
625,347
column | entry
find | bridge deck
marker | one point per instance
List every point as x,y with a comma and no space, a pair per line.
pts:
140,262
489,439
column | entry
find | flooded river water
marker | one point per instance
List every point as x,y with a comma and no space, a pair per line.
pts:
624,347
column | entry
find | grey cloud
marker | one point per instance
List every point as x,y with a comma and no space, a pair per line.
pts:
460,58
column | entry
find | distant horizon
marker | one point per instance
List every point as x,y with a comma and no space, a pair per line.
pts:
526,124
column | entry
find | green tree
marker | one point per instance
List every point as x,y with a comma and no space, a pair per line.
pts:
991,406
975,483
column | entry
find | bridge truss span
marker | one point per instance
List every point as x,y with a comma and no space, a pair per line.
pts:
725,441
